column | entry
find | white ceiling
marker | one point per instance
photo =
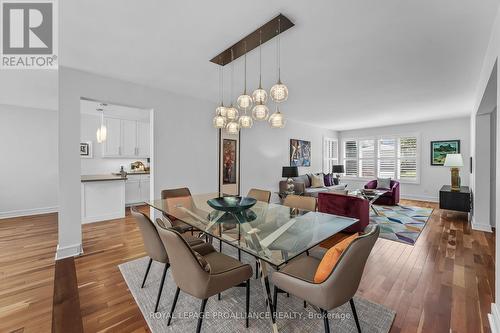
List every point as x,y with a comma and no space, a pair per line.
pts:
348,64
113,110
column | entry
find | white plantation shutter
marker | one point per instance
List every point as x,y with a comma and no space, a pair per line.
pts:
407,158
351,158
387,153
384,157
367,158
330,154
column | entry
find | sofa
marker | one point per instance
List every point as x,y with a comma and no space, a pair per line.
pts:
348,206
390,198
303,187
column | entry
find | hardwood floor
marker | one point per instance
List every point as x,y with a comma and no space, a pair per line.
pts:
445,282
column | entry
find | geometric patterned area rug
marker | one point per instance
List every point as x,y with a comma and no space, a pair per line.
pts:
401,223
227,315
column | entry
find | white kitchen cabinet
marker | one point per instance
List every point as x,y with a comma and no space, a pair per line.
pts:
126,138
145,188
129,138
143,139
112,145
136,189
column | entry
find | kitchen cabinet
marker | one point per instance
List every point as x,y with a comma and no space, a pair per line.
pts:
112,145
126,138
136,189
143,139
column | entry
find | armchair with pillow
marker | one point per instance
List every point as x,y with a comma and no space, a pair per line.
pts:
390,198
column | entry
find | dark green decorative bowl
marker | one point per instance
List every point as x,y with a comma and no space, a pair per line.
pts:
231,204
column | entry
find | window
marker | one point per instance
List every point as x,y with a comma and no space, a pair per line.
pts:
386,156
330,154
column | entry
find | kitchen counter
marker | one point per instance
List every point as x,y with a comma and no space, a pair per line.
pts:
100,178
134,173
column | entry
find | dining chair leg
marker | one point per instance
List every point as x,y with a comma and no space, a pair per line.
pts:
275,298
248,302
202,312
218,297
164,275
147,271
173,306
353,308
305,304
239,255
256,269
324,314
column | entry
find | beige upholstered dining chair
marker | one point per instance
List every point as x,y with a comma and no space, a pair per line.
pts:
297,278
203,272
259,195
300,202
173,196
155,248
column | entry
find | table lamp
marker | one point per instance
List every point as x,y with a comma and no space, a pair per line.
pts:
454,161
289,172
338,169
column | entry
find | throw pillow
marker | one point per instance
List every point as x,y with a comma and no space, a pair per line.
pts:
384,183
328,179
331,258
203,263
317,181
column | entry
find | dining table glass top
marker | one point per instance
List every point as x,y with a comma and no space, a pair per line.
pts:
267,231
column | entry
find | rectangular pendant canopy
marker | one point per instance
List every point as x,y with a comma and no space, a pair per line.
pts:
269,31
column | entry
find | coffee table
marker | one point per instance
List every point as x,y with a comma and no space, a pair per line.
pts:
371,196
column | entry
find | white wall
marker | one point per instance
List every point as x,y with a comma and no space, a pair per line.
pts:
264,151
97,164
185,153
488,64
28,147
482,199
431,177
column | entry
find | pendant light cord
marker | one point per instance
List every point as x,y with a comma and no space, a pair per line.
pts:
278,53
260,60
221,83
232,75
245,86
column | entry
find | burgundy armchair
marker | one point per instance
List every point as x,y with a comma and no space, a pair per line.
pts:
390,198
345,205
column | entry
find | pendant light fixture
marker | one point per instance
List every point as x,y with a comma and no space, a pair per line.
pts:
245,101
277,119
232,126
219,120
260,111
102,131
279,92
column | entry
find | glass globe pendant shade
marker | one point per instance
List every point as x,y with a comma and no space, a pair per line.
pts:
244,101
279,92
276,120
259,96
260,112
101,134
219,121
221,110
232,127
231,113
246,121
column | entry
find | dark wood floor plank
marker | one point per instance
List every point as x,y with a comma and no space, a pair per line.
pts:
66,315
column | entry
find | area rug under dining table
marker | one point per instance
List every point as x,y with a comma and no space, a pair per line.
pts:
227,315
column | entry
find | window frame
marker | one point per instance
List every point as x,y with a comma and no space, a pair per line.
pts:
326,158
377,159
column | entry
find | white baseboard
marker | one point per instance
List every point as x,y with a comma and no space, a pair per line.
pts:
494,319
104,217
68,251
28,212
419,197
480,226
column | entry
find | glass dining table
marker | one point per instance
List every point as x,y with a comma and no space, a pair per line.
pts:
274,234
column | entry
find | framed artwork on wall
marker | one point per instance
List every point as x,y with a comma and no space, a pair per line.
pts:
300,153
439,150
86,149
229,153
